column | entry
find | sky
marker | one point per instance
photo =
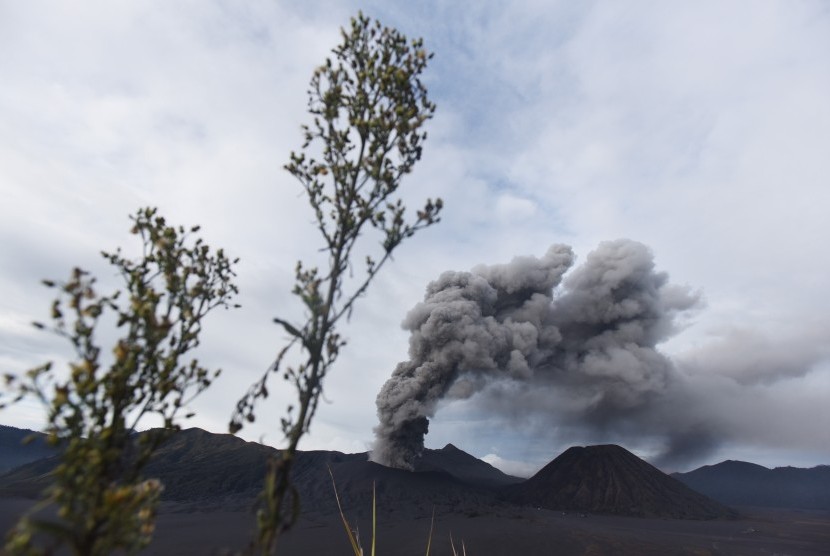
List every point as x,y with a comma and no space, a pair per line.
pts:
700,130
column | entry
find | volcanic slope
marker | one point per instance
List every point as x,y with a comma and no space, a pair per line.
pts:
19,446
609,479
748,484
206,470
463,467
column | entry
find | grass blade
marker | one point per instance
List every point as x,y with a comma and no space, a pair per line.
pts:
454,551
358,551
431,527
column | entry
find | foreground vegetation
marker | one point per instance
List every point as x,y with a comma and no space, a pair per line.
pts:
103,501
368,108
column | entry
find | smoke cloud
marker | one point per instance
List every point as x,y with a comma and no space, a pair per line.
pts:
579,348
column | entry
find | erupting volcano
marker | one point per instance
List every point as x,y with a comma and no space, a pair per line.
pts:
529,339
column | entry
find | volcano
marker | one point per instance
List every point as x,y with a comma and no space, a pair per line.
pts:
609,479
222,471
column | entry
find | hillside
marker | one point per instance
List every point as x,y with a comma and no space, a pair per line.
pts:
747,484
463,467
609,479
15,452
212,481
205,470
208,470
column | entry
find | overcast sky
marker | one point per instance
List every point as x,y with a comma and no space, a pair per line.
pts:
700,129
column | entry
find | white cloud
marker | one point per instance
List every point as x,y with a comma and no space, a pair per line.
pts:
511,467
511,208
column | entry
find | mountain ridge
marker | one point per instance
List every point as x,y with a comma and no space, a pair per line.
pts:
222,470
13,451
742,483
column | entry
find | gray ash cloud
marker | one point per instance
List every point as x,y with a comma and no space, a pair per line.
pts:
576,347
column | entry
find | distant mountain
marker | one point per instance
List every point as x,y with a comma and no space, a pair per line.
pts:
14,452
211,470
747,484
196,465
463,467
206,470
609,479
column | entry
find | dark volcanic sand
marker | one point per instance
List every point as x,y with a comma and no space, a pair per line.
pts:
512,532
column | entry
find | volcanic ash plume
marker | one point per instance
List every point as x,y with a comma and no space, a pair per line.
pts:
595,340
